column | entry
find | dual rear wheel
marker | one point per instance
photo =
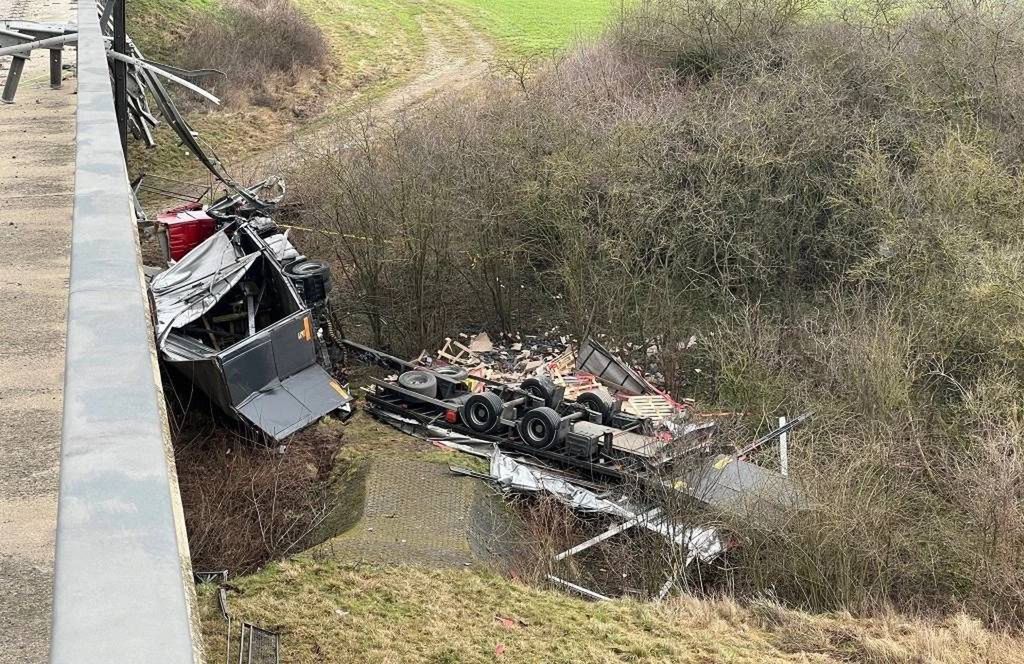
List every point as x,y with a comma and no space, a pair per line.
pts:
540,428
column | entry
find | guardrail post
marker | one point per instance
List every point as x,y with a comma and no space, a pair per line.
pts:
56,75
13,77
121,74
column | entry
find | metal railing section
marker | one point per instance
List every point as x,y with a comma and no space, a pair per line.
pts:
122,589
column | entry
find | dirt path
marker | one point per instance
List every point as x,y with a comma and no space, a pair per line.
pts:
455,57
447,66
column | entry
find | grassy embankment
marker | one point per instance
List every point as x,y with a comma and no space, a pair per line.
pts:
335,613
374,46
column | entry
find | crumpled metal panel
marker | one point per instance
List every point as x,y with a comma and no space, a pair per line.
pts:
285,406
740,487
197,282
595,359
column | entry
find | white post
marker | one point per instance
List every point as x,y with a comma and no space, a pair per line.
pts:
783,452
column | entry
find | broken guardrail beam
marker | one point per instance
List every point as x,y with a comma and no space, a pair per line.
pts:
49,42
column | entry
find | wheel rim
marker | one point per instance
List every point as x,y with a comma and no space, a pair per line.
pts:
306,268
536,430
479,414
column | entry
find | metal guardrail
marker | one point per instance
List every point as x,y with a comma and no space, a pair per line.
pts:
122,589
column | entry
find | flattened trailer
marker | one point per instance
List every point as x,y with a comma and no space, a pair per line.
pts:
531,418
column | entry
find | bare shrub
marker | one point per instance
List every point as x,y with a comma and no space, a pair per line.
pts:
259,45
246,504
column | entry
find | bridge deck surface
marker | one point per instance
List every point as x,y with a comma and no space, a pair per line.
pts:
37,173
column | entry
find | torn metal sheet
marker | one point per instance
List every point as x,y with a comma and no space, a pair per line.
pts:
699,543
595,359
512,475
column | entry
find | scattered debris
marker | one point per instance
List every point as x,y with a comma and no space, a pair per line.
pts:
481,343
514,408
510,623
531,416
218,576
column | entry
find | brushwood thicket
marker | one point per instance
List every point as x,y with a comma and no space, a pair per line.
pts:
829,197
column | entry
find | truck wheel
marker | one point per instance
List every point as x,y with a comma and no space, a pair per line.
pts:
419,382
540,428
597,403
482,411
455,373
542,388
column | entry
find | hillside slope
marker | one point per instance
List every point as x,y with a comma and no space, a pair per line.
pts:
335,613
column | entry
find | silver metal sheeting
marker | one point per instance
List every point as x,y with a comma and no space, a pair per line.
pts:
702,543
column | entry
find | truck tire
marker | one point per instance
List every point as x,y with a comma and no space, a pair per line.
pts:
311,278
541,387
541,428
482,412
419,382
455,373
598,403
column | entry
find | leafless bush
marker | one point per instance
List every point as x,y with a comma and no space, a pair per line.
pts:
259,45
245,503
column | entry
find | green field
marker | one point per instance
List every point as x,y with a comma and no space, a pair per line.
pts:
538,26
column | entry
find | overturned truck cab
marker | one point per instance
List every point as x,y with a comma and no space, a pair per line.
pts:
242,316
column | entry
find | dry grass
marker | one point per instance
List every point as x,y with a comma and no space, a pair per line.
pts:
260,46
330,613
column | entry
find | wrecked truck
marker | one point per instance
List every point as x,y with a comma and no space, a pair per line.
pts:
244,317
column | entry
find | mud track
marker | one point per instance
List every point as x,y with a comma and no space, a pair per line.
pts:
455,58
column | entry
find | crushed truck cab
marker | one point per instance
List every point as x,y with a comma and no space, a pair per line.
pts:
241,316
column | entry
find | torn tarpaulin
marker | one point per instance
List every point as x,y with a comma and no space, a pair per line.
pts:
197,282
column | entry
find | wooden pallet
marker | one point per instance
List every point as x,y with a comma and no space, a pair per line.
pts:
456,353
653,407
